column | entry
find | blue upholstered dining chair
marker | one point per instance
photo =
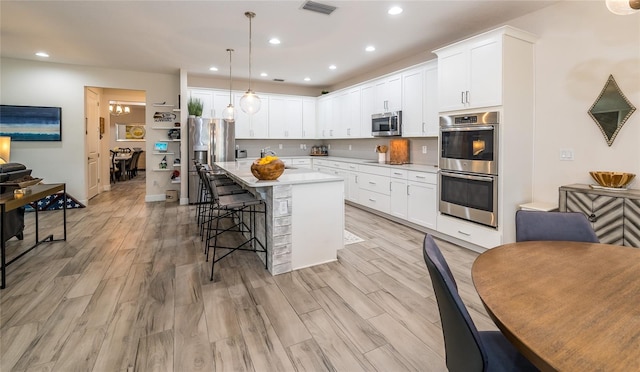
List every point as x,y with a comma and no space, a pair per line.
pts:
467,349
563,226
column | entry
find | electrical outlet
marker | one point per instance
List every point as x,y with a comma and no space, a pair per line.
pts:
280,146
566,154
301,146
329,147
304,146
424,149
349,147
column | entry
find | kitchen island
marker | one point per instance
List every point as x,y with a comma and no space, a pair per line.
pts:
305,215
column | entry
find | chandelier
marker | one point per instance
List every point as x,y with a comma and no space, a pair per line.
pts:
117,109
250,102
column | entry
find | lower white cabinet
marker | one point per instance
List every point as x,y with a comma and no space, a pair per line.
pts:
408,195
422,204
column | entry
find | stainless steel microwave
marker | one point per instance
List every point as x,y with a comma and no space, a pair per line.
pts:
386,124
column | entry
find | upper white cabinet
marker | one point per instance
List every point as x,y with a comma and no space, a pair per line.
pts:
470,72
206,97
309,117
325,115
347,122
388,94
420,101
285,117
254,126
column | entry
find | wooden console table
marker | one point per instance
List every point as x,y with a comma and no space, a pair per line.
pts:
9,202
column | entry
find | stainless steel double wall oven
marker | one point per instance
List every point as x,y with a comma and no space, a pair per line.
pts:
469,167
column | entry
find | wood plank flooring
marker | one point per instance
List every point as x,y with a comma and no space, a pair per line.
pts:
129,291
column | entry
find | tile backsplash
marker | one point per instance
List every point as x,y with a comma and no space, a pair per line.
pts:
363,148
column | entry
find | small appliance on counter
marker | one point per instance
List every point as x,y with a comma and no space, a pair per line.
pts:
319,151
241,154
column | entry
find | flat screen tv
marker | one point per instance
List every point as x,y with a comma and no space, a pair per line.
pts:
31,123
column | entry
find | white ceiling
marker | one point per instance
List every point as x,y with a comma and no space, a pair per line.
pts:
165,36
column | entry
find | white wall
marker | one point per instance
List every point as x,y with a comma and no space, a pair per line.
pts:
581,43
51,84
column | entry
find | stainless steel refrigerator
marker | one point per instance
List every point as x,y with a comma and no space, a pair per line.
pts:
210,141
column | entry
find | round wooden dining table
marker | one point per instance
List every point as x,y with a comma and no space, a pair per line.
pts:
566,306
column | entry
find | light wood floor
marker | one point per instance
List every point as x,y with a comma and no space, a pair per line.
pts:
129,291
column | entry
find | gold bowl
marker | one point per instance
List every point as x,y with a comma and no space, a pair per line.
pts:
269,171
614,180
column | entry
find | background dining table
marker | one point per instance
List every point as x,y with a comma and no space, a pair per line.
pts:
567,306
121,158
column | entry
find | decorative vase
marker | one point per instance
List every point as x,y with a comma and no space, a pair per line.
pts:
267,172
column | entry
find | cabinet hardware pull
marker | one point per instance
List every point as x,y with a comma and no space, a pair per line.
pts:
408,193
372,183
421,177
467,97
463,233
373,200
593,218
422,127
461,97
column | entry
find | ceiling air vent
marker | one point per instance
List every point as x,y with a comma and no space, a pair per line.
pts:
318,8
279,80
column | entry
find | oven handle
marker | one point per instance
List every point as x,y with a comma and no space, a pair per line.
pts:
467,129
468,176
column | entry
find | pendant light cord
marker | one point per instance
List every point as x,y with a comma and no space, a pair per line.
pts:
230,76
250,15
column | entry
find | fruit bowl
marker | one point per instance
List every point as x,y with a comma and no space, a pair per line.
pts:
615,180
269,171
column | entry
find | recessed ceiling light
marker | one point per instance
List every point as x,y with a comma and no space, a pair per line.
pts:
332,67
263,74
274,41
395,10
42,54
307,79
370,48
213,68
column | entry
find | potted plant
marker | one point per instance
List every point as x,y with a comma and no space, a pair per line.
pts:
195,107
196,124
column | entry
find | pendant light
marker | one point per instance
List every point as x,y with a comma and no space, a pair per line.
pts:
250,102
117,109
229,112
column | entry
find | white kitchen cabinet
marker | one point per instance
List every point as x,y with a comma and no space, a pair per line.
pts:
367,92
220,102
206,97
254,126
420,101
398,193
309,117
348,122
285,117
422,199
388,94
470,72
325,115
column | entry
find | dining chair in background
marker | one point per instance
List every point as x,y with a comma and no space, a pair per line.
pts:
114,169
466,348
563,226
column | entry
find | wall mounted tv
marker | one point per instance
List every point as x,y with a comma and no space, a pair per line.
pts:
31,123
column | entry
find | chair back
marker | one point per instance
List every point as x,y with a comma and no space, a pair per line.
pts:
563,226
464,351
113,159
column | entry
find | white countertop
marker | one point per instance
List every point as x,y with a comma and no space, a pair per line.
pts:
241,171
414,167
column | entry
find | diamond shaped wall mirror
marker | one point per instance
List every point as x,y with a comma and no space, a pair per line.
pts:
611,110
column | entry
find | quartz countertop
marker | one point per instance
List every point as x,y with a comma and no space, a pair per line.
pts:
413,167
241,171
